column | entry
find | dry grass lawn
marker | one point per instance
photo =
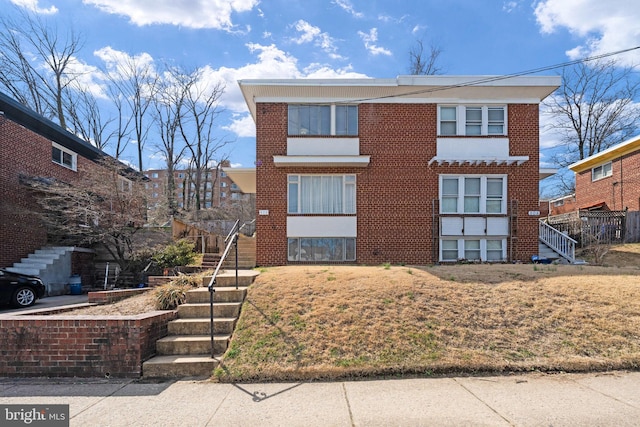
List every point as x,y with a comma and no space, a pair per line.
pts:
327,322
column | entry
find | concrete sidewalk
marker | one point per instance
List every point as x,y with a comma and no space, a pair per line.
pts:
520,400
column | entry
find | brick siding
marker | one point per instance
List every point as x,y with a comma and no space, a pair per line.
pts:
619,191
395,192
79,346
23,152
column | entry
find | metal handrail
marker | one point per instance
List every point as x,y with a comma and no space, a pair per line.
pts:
231,240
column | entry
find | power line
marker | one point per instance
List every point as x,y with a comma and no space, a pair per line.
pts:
501,77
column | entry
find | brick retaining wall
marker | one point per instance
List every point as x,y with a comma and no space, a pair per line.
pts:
80,346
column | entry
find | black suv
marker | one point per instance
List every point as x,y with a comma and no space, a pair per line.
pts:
19,289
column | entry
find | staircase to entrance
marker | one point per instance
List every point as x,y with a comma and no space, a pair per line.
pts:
186,350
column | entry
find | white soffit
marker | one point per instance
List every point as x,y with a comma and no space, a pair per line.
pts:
401,89
244,178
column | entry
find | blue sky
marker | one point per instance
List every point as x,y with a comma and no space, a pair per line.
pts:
248,39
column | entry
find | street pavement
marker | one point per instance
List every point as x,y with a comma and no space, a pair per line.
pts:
46,303
535,399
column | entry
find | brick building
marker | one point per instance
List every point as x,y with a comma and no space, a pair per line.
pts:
31,145
217,188
418,169
610,180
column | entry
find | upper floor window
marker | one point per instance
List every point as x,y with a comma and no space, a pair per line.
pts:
307,119
471,120
473,194
63,157
601,171
222,174
322,194
154,175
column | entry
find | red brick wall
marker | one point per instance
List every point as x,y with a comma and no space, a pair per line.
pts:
395,192
27,153
619,191
79,346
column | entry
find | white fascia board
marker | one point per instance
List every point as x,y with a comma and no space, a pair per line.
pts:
398,100
322,161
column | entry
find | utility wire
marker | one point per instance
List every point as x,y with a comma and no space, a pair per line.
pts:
501,77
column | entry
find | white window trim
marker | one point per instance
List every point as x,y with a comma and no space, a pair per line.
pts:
74,157
483,249
344,194
483,194
593,170
332,118
461,119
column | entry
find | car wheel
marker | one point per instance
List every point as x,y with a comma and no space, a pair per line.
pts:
24,297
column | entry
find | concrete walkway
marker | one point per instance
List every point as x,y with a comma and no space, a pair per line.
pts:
605,399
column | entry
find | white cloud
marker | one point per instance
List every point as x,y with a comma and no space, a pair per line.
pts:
242,125
33,6
369,40
320,71
510,6
604,26
201,14
348,7
310,33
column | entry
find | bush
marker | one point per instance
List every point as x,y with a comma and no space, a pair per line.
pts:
177,254
174,293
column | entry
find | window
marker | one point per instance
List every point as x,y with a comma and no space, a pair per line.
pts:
223,184
207,205
222,174
125,184
485,250
323,119
558,203
63,157
223,194
322,249
601,171
181,175
322,194
154,175
471,120
473,194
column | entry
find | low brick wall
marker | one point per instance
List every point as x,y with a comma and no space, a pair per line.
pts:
107,297
79,346
155,281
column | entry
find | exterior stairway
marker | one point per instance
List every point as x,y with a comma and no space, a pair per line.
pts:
186,351
246,255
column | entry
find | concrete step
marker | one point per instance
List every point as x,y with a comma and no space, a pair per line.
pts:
201,310
221,294
228,279
30,265
173,366
23,270
192,344
221,325
39,259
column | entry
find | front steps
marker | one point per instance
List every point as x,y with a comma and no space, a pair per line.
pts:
51,264
186,351
246,255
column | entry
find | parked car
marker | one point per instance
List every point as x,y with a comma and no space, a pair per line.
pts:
19,289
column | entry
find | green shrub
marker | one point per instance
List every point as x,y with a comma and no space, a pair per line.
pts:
177,254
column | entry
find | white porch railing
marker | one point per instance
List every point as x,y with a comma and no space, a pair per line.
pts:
562,244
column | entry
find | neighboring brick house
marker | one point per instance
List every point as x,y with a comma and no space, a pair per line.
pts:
31,145
558,205
416,170
217,191
610,180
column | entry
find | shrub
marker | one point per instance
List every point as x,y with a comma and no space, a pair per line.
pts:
177,254
174,293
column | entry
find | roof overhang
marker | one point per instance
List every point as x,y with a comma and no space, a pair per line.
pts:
403,89
244,178
547,172
611,153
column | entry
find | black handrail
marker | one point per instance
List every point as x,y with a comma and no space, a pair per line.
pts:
231,239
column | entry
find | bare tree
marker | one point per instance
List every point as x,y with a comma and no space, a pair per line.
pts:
135,83
594,109
36,63
424,63
106,206
168,111
85,117
197,126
